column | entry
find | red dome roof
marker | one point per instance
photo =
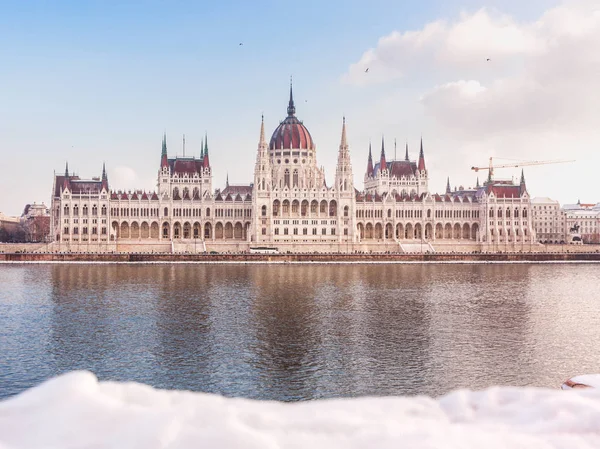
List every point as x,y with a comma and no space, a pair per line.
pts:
291,133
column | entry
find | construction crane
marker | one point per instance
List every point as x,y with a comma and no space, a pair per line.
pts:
491,167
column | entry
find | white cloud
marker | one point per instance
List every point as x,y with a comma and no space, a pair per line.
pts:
538,97
126,178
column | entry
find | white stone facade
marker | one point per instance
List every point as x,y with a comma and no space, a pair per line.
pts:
289,206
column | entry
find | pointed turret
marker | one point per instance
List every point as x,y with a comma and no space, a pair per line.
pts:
104,177
205,160
421,165
291,110
227,180
370,162
382,161
522,184
448,185
163,155
343,141
201,148
262,143
406,154
477,186
66,183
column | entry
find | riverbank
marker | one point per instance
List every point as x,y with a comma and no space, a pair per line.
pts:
299,258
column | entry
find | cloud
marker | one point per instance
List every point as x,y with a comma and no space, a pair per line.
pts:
126,178
538,97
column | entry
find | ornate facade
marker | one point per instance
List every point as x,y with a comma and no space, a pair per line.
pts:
289,206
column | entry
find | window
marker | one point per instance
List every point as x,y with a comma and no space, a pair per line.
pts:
295,231
285,231
264,211
314,231
324,231
304,231
276,231
264,231
332,231
103,230
345,231
75,230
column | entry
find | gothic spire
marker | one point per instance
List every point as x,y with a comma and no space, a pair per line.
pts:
370,162
477,185
205,144
227,180
406,155
522,177
164,145
262,142
382,161
344,141
448,185
103,170
66,169
291,110
421,165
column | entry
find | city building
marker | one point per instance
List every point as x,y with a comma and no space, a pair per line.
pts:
583,220
549,220
290,206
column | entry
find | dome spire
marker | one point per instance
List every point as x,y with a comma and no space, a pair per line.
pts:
291,108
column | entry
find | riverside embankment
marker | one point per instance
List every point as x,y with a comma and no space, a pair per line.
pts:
297,257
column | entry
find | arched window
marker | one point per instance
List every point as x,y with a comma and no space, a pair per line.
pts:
66,210
507,213
176,193
76,210
428,213
166,212
346,211
295,179
499,213
186,193
85,209
264,211
491,213
525,214
208,211
94,210
389,213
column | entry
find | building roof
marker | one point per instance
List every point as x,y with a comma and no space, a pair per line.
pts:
291,132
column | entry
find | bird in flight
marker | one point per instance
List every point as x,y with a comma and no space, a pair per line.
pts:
241,43
367,70
488,59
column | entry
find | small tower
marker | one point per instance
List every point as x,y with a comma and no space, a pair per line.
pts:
343,173
382,161
421,165
448,190
370,163
406,154
104,178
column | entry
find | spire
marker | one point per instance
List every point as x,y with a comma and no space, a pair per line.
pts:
104,177
227,180
382,162
477,185
205,160
262,142
406,155
522,177
421,165
163,155
184,145
370,162
291,108
448,185
344,141
66,169
489,180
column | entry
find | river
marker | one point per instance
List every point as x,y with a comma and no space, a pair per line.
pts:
298,332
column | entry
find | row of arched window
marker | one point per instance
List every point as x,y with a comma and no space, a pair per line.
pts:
84,210
508,212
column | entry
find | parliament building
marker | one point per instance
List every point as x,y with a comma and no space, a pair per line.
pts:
289,206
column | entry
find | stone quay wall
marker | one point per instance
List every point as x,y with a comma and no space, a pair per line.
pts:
299,258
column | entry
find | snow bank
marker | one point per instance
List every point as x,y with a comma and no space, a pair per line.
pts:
75,410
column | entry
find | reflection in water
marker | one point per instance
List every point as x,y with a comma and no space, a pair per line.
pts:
294,332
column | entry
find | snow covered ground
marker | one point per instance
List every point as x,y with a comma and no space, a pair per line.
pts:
76,411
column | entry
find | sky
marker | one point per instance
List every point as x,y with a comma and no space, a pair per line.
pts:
100,81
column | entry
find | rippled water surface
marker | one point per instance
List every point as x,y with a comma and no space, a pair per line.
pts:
294,332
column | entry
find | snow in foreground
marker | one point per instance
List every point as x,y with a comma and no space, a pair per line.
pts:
75,410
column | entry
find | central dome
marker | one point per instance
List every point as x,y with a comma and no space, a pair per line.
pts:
291,133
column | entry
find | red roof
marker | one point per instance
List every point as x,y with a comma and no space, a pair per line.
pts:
237,190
